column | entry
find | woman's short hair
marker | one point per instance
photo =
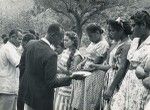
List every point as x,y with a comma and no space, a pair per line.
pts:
73,36
120,25
141,16
14,32
92,28
28,37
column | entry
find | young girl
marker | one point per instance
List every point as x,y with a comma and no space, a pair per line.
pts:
68,61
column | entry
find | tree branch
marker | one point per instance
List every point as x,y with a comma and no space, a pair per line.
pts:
95,12
75,14
65,4
89,8
63,13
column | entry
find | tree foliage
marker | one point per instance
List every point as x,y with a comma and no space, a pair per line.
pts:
78,11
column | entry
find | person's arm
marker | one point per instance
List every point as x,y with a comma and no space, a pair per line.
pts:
51,80
81,64
100,66
63,69
122,69
12,56
77,60
50,74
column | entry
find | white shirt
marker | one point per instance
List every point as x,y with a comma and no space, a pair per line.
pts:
9,74
47,42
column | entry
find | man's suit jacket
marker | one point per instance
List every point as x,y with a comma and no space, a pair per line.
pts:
39,78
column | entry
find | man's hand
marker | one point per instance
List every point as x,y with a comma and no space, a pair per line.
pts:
77,77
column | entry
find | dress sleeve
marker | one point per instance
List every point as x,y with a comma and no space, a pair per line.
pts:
102,49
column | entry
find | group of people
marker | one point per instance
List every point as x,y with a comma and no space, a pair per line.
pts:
52,74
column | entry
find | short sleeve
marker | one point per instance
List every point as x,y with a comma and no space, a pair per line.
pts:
102,49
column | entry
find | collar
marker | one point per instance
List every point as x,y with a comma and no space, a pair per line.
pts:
9,43
146,42
47,42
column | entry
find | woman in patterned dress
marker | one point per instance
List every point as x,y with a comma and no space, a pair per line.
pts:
132,95
95,53
68,61
119,31
117,64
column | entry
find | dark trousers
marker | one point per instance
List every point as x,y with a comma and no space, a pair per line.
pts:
20,101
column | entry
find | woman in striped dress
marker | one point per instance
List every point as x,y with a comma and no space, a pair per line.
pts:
68,61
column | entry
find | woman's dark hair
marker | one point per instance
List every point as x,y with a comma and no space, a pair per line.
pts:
32,31
120,25
5,38
93,28
14,32
28,37
141,16
73,37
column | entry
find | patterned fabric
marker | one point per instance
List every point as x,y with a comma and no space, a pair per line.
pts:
119,51
94,83
62,102
77,94
95,50
63,96
93,90
132,94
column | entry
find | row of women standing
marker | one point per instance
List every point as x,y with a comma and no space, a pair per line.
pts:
119,66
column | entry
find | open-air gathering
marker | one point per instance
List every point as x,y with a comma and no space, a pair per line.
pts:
74,54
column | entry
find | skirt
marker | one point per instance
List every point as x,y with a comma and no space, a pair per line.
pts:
63,98
132,95
77,97
93,90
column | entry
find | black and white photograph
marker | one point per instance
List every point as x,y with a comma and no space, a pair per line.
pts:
74,54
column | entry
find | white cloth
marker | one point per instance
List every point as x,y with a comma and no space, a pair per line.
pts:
147,107
27,107
138,55
47,42
95,50
9,74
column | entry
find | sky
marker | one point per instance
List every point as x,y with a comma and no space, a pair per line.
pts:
11,8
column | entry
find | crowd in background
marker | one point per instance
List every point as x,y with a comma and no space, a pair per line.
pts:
50,73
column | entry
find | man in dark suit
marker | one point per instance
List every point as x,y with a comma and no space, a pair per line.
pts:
39,78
